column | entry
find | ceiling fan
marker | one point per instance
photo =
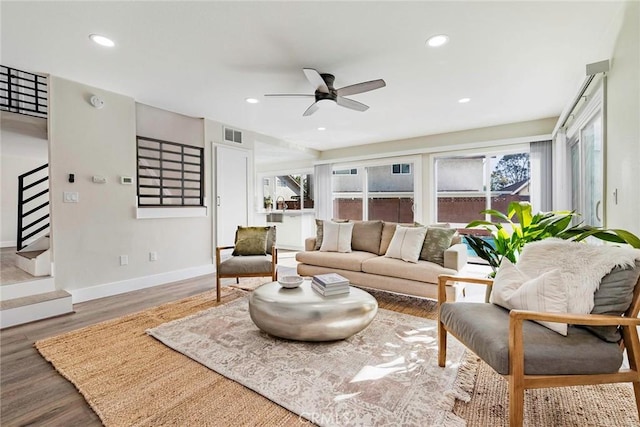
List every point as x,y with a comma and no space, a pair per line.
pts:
325,91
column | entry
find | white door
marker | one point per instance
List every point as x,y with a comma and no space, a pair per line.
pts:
232,169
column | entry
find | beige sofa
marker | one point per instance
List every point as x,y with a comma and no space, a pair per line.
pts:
369,268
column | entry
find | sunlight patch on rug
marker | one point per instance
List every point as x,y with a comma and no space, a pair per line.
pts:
385,375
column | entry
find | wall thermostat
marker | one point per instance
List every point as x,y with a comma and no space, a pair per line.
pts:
126,180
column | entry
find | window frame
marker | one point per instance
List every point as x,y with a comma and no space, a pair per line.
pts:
182,163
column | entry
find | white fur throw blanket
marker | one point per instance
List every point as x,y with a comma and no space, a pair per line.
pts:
582,266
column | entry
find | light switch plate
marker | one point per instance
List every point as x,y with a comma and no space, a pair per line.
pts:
70,197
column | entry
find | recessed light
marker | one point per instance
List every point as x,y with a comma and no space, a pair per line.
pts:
464,100
321,128
252,100
102,40
438,40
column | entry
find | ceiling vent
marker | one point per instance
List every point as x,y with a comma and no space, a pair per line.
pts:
232,135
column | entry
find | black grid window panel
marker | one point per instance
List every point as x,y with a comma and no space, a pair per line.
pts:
169,174
23,92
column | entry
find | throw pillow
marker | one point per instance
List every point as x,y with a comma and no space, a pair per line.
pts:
366,236
250,241
320,231
388,230
337,237
512,289
271,239
613,297
406,243
437,241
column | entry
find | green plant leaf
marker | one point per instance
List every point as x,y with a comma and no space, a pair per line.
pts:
496,213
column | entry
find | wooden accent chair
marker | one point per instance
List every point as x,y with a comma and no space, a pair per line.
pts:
531,356
247,265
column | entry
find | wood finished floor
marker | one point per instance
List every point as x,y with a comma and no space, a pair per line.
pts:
32,392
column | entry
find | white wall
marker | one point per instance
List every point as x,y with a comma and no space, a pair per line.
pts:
88,237
23,147
623,127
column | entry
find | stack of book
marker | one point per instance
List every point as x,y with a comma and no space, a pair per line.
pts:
330,284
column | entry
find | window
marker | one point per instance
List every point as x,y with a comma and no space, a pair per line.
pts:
401,169
375,192
169,174
467,185
290,192
346,172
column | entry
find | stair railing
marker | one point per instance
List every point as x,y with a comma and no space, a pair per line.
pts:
23,92
34,216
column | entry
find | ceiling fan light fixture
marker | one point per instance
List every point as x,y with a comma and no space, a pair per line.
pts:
437,40
252,100
102,40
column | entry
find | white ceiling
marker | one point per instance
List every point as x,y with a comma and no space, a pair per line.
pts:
517,61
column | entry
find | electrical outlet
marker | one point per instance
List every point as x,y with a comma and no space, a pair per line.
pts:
124,259
153,256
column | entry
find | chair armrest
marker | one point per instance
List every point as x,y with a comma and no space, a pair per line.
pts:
218,250
309,244
455,257
444,278
573,319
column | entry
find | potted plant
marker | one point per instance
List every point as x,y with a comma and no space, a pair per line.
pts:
529,228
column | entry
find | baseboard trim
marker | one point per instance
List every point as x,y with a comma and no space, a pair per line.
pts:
121,287
8,244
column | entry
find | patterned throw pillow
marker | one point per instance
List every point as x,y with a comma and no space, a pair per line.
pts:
251,241
406,243
337,237
437,241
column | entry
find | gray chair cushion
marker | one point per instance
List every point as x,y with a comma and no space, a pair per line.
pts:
484,328
246,265
614,297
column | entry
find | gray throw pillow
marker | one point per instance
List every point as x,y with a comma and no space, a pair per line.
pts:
613,297
437,241
320,232
366,236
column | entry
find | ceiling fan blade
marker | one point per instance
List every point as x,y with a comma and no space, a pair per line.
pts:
350,103
361,87
316,80
312,109
289,95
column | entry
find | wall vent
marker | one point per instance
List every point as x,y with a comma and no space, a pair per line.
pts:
232,135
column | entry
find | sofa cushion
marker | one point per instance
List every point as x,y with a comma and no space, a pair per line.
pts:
337,237
484,328
320,231
246,265
250,241
422,271
366,236
406,243
613,297
340,261
437,241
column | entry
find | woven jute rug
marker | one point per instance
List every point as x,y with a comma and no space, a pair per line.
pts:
131,379
386,374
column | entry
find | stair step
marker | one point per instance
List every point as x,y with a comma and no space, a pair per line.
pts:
33,299
30,254
39,285
22,310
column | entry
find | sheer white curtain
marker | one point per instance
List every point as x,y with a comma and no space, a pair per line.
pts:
323,192
561,172
540,156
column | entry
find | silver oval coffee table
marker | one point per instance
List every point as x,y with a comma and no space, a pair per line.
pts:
304,315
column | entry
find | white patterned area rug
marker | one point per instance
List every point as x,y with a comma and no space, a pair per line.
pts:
386,375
